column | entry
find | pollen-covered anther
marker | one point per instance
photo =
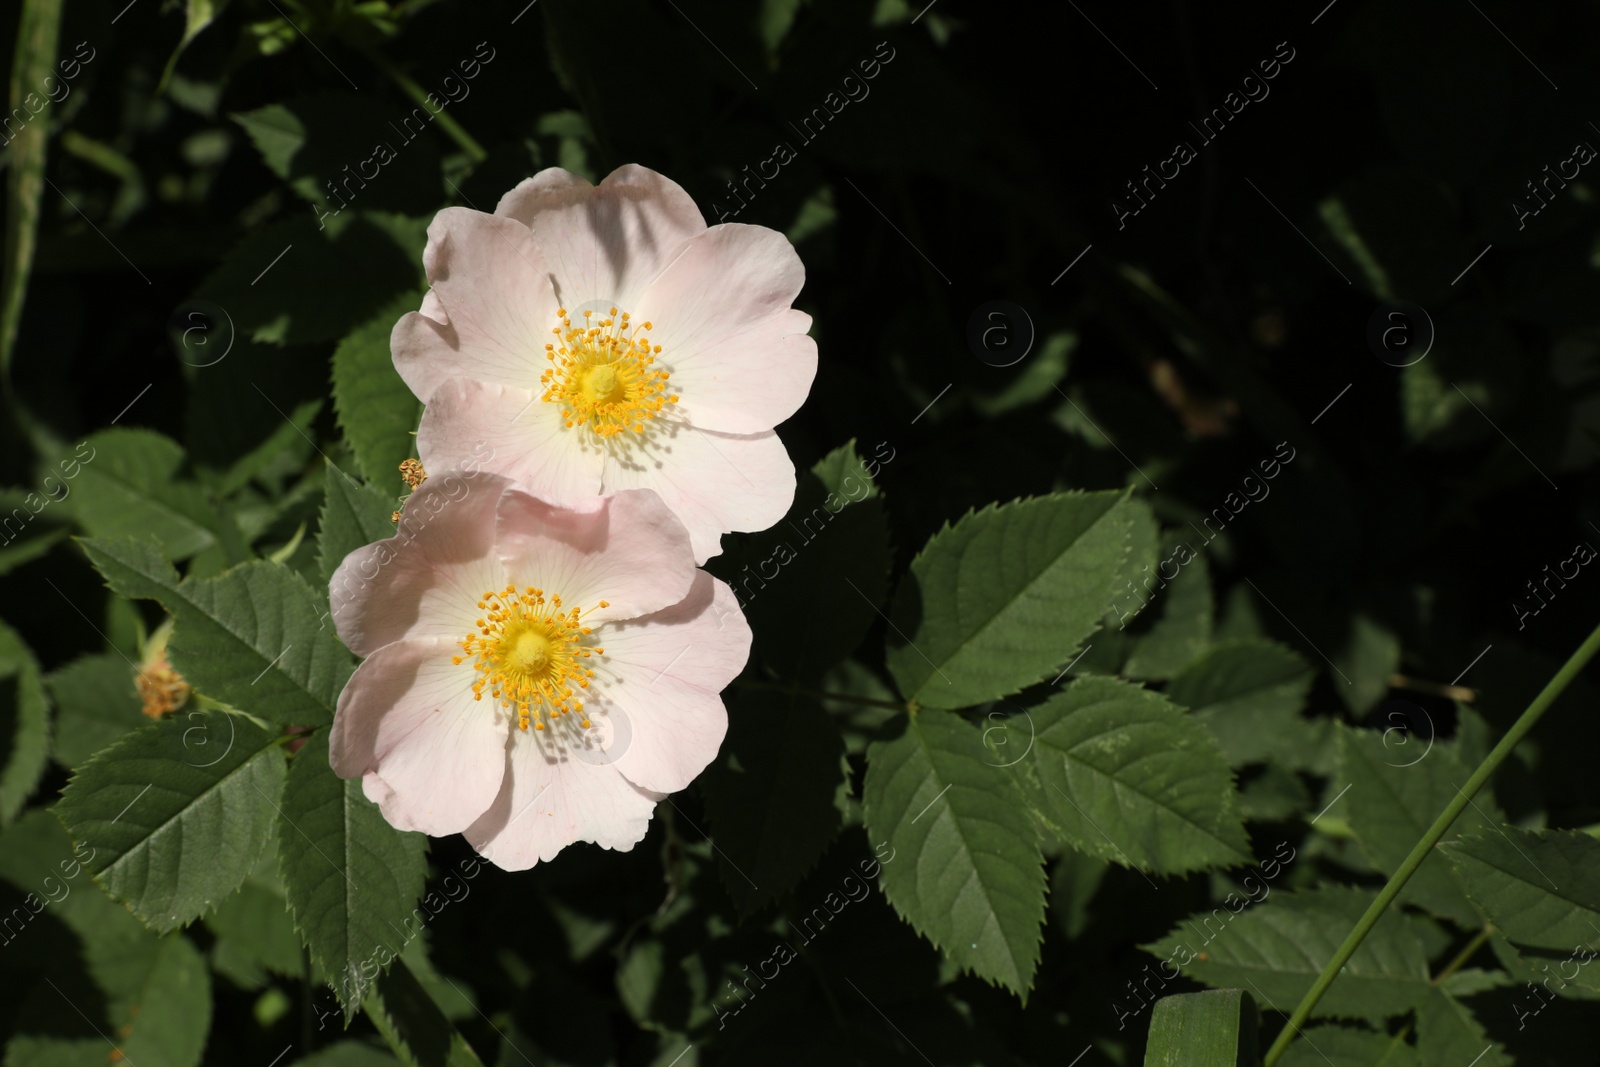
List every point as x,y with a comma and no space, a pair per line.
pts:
528,654
162,690
411,472
604,373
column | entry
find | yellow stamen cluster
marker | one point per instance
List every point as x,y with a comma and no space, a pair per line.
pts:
162,690
529,655
411,472
604,373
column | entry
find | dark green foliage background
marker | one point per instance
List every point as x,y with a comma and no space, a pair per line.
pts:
1201,337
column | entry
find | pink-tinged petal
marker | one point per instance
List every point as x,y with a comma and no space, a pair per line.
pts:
666,671
740,358
493,287
427,579
432,308
604,242
548,802
629,550
429,755
512,432
426,351
714,482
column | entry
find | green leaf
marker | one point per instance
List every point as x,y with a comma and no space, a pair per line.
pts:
318,144
1274,794
1212,1029
1369,657
352,879
993,603
1470,981
176,826
1363,215
251,637
1540,887
290,441
775,19
1129,777
1120,627
639,978
1345,1046
1181,631
1276,949
376,409
173,1010
95,704
276,133
27,542
27,1050
352,516
131,486
1432,410
348,1054
165,1000
356,255
1448,1033
254,926
198,14
1546,968
971,878
770,796
413,1025
24,724
1073,885
1395,791
1034,380
811,585
1248,694
33,61
124,978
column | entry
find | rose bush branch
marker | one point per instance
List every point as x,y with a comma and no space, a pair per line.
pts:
1424,847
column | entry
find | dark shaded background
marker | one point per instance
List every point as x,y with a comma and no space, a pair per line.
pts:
1218,322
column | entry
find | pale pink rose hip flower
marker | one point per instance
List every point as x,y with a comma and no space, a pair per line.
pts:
534,675
602,338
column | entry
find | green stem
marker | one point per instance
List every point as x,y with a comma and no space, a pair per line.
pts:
1464,955
449,125
871,702
1424,847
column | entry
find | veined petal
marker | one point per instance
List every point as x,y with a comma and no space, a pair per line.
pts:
511,432
426,579
429,755
628,549
607,241
666,671
549,802
714,482
740,358
493,286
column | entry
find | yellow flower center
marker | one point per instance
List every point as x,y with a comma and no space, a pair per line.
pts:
604,374
529,655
